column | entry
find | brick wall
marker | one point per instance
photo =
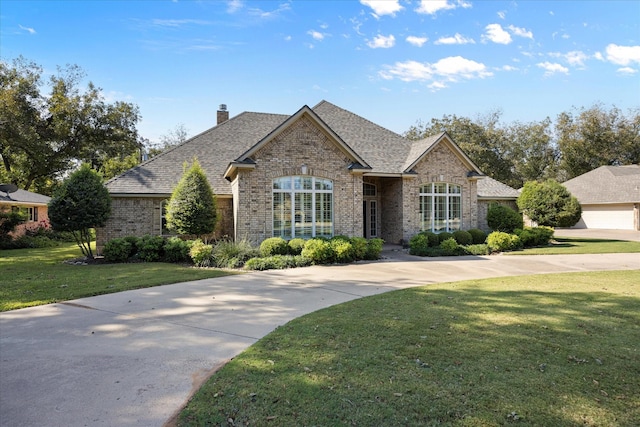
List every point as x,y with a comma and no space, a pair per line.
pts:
441,165
139,216
302,143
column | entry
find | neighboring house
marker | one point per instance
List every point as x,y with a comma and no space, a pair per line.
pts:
322,171
609,196
34,206
491,191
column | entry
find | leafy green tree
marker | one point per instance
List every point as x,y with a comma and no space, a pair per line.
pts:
192,207
595,137
531,151
172,138
549,203
44,136
114,166
81,203
9,220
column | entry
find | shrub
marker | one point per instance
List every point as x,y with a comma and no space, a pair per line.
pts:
536,236
201,254
177,250
549,203
432,237
359,247
319,251
295,246
229,254
503,218
463,237
444,236
276,262
150,248
419,245
450,247
274,246
478,249
499,241
117,250
342,249
478,236
374,248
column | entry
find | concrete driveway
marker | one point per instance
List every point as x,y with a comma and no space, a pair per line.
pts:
134,358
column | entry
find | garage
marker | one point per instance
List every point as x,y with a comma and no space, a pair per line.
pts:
617,217
609,196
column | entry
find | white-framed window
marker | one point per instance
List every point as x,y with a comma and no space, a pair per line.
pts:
368,189
373,218
302,207
440,207
30,213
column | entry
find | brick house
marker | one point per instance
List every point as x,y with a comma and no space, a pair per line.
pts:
322,171
33,205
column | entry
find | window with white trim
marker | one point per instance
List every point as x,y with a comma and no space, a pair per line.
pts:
440,207
302,207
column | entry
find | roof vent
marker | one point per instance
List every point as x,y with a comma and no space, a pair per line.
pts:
223,107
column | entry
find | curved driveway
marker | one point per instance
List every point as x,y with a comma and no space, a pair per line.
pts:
133,358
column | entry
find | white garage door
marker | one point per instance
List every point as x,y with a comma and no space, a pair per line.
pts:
617,217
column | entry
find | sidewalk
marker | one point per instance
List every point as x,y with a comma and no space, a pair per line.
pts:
133,358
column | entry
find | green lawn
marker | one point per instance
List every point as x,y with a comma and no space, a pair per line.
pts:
548,350
39,276
564,245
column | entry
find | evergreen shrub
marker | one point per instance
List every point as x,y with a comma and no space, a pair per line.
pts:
274,246
463,237
478,236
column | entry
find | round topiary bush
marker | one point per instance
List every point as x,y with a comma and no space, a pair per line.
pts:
274,246
432,237
319,251
478,236
463,237
444,236
503,218
296,245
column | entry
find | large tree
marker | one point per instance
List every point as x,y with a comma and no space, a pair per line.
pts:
192,207
81,203
45,135
594,137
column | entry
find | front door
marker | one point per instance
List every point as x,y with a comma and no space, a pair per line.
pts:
370,218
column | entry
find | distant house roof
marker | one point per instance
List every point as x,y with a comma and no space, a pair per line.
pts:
607,184
23,197
376,150
489,188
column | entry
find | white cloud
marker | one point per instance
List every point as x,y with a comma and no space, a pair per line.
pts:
175,23
283,7
456,39
576,58
627,70
27,29
317,35
496,34
416,41
502,14
234,5
431,7
623,55
383,7
381,41
446,70
552,68
520,32
598,56
509,68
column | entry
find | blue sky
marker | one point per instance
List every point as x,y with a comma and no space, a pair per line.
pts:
392,62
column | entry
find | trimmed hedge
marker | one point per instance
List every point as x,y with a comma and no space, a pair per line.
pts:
274,246
478,236
499,241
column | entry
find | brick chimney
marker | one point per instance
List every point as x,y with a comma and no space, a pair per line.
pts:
223,114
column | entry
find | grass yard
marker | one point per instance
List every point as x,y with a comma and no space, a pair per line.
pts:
548,350
31,277
565,245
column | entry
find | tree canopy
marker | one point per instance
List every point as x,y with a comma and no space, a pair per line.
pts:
82,202
43,136
577,142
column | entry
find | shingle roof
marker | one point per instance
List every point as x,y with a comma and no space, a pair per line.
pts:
489,188
24,197
384,151
607,184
